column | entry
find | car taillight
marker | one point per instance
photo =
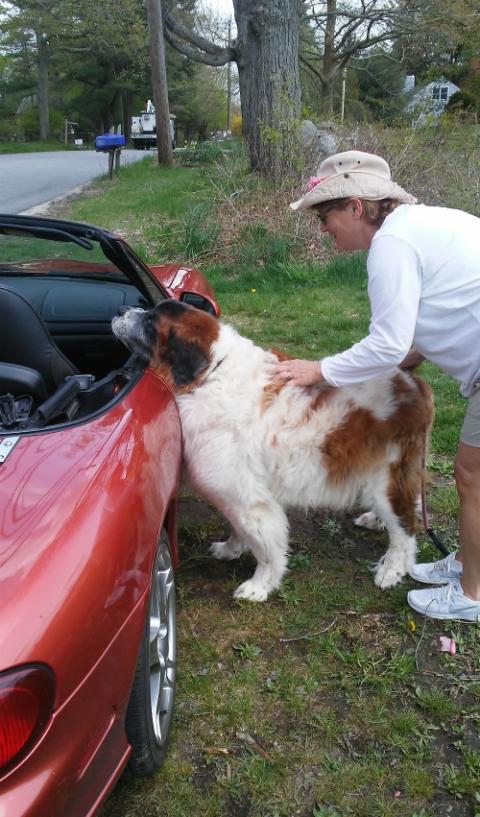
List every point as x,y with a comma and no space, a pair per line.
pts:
26,703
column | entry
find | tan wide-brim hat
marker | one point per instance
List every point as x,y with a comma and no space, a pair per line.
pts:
352,174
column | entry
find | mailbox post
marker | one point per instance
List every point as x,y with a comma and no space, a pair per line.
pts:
112,144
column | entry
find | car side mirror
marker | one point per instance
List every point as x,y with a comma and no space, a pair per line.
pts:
199,302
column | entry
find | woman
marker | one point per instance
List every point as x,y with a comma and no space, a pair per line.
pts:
424,288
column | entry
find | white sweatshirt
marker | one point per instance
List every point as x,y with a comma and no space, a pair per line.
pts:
424,289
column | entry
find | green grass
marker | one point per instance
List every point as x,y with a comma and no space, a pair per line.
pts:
332,699
158,209
34,147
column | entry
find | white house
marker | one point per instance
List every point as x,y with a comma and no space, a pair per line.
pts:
431,99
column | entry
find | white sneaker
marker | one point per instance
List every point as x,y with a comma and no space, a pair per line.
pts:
441,572
447,602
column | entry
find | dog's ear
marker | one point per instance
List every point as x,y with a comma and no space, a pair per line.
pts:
187,360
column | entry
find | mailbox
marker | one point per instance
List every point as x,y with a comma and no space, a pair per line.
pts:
110,141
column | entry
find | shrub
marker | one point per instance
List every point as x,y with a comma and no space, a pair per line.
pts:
200,153
10,131
260,247
439,165
29,124
237,126
463,102
200,232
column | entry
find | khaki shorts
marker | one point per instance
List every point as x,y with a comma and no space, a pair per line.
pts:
470,433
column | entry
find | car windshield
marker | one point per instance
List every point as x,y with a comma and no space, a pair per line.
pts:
22,253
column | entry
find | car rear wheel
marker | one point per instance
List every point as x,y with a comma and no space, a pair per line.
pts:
150,709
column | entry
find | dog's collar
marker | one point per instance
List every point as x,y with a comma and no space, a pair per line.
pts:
215,367
206,376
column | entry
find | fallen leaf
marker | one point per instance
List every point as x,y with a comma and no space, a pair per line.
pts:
214,750
250,741
447,644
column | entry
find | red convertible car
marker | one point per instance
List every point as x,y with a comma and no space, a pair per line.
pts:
90,454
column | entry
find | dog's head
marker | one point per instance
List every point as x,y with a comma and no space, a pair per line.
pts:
173,338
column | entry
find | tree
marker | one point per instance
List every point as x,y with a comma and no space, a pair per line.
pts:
380,78
266,54
344,30
159,82
29,28
86,62
436,35
102,59
198,100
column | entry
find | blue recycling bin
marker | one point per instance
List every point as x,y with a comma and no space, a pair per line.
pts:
109,141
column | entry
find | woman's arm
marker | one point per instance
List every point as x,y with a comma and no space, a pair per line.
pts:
394,289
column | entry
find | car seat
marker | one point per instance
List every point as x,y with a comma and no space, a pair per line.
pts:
25,342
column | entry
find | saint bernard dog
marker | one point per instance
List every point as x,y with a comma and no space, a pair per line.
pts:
254,447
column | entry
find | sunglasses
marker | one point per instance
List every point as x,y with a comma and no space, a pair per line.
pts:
322,217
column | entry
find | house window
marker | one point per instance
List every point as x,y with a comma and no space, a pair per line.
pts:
440,93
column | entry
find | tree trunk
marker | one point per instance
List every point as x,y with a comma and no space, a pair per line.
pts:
107,118
113,113
159,83
266,53
127,114
42,86
269,78
328,63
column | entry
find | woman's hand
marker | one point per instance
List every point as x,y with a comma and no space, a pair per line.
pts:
298,372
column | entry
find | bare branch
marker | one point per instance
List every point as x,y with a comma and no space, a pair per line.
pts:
192,45
192,53
315,71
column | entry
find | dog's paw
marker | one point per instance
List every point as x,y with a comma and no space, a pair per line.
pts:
369,520
389,572
226,550
252,591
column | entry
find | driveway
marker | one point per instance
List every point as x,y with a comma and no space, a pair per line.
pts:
29,179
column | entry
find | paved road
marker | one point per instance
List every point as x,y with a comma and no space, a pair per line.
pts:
28,179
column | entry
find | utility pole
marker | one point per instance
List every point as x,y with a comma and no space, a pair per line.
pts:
344,82
159,83
229,75
67,125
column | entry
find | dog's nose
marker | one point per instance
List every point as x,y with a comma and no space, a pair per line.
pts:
122,310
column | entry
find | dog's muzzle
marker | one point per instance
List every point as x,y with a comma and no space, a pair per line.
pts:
127,326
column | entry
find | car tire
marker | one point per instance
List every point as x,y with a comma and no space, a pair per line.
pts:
150,709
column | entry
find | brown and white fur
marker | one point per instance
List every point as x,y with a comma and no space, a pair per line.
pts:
255,448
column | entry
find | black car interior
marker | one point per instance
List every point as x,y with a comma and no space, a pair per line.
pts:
77,314
25,340
40,382
59,361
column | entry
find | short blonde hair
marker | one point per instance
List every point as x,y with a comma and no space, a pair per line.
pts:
374,212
